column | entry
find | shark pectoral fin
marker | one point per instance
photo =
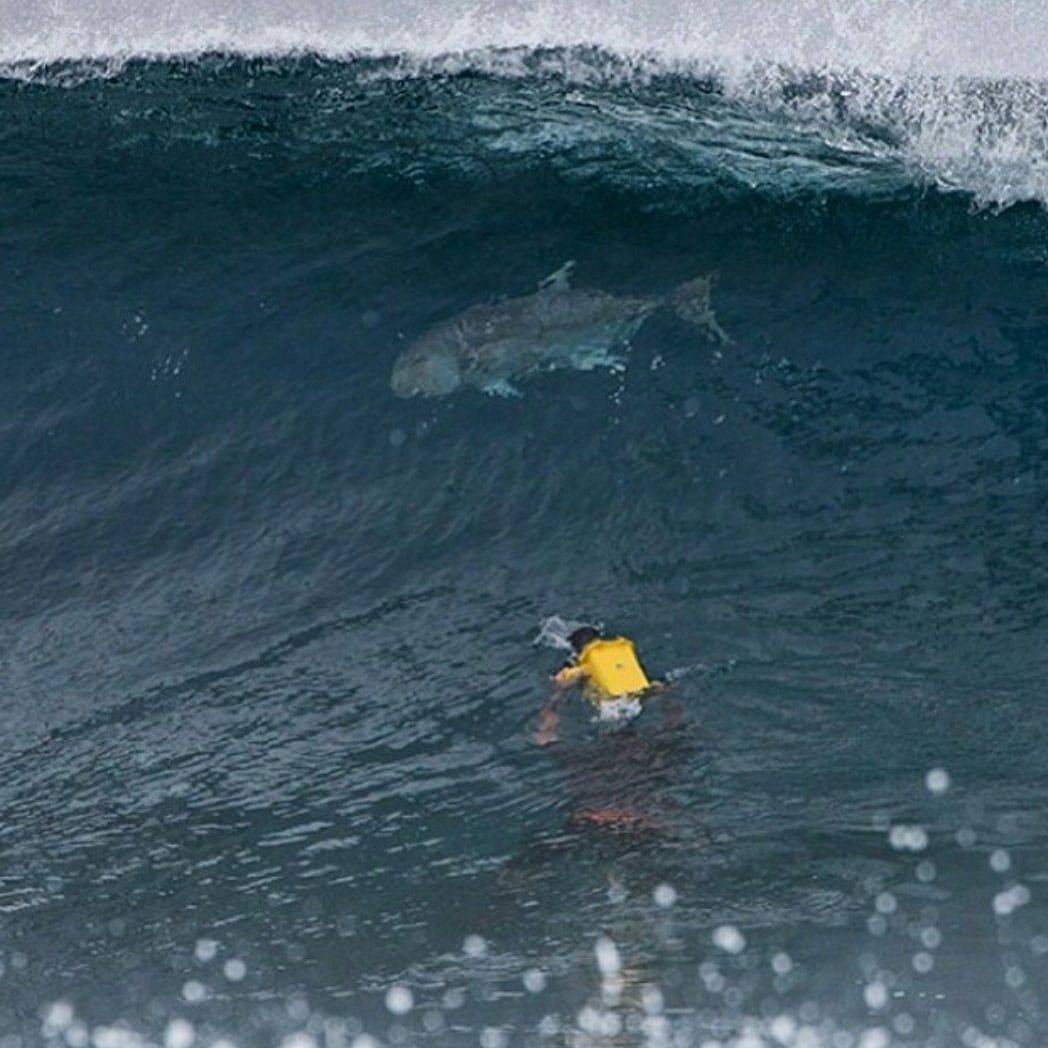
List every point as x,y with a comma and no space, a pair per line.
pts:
502,387
717,332
589,359
560,280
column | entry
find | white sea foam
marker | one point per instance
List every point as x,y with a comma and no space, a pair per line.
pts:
618,711
992,38
955,87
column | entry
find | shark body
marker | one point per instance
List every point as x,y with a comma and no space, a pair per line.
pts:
489,345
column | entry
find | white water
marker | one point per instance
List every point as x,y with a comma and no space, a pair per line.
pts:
994,38
907,65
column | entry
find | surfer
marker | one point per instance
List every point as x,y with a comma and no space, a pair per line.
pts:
610,673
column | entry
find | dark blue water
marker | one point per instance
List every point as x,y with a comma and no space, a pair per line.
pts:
267,663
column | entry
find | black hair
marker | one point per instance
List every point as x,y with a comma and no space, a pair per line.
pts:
582,636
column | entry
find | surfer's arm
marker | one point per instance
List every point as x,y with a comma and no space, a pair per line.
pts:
549,718
549,715
567,677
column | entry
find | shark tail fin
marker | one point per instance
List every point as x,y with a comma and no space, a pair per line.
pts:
691,302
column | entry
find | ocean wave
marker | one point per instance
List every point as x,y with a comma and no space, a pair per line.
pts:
632,119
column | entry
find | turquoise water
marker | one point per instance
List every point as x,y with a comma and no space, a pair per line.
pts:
268,659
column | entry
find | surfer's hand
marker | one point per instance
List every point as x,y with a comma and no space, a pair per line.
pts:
547,735
567,677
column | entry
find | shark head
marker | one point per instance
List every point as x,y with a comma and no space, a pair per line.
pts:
424,371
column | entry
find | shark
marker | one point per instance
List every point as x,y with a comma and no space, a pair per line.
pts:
491,345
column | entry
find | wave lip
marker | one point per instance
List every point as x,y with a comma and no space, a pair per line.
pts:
950,94
946,38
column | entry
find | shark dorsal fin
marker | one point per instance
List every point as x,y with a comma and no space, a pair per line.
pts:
560,280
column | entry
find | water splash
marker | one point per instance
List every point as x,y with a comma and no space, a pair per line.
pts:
555,631
1001,38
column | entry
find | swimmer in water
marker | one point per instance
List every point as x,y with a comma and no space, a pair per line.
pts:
611,675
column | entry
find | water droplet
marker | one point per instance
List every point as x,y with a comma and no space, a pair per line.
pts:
729,939
194,991
608,960
57,1018
665,895
492,1037
179,1034
475,946
886,903
907,838
534,980
399,1000
875,995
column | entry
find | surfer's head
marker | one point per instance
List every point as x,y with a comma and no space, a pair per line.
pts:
422,372
582,636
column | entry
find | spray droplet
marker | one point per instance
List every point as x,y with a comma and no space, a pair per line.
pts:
1000,861
534,980
475,946
875,995
179,1034
729,939
608,960
665,895
399,1000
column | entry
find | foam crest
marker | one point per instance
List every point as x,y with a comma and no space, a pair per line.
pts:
951,90
1005,38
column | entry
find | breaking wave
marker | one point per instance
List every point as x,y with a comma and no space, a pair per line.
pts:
945,94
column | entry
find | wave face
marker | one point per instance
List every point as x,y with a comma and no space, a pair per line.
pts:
267,665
